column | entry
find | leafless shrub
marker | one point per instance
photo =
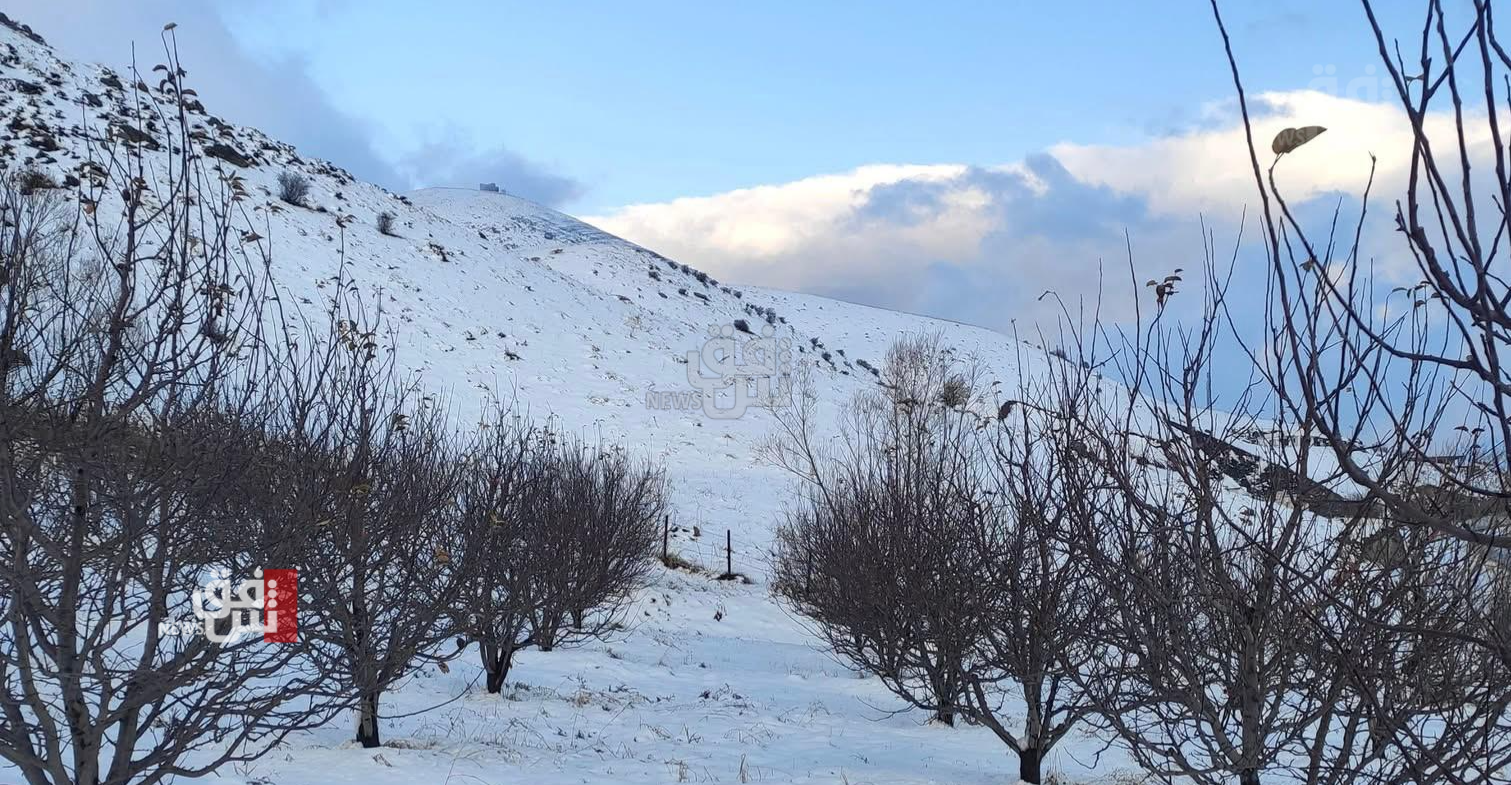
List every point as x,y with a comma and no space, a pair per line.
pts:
34,180
129,437
955,392
931,549
567,531
386,223
599,516
374,475
1243,635
676,561
293,188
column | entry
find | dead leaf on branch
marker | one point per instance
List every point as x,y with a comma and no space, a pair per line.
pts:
1292,138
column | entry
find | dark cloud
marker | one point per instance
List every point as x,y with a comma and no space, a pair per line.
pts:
1183,120
275,94
1058,206
1049,232
1042,200
453,160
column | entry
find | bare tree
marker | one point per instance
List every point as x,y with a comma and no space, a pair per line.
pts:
493,608
1202,639
1048,501
1404,699
1405,390
882,554
1411,378
374,472
129,335
1257,622
597,514
1204,642
893,589
566,532
938,548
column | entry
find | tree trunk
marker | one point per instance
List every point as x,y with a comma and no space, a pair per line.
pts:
1029,764
495,680
1248,777
127,733
367,721
945,694
367,702
497,666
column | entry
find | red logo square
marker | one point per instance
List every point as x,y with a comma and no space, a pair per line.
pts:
280,610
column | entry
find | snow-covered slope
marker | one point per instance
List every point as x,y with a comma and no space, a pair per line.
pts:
494,295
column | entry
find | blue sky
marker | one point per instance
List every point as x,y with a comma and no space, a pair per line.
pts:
951,158
650,101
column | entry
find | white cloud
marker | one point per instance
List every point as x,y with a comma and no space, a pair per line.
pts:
1210,170
981,244
765,222
905,236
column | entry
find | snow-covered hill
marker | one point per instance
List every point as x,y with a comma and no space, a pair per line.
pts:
494,295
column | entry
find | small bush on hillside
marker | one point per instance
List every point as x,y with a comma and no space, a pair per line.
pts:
293,188
385,223
34,180
955,392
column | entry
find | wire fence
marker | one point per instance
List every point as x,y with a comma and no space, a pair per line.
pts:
714,551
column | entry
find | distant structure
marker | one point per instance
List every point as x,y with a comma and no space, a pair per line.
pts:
491,187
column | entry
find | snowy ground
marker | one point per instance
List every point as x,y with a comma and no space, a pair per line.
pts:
492,295
713,680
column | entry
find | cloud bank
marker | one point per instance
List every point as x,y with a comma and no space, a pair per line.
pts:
275,94
974,243
982,244
452,159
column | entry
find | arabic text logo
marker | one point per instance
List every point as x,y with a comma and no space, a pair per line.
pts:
267,603
747,371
